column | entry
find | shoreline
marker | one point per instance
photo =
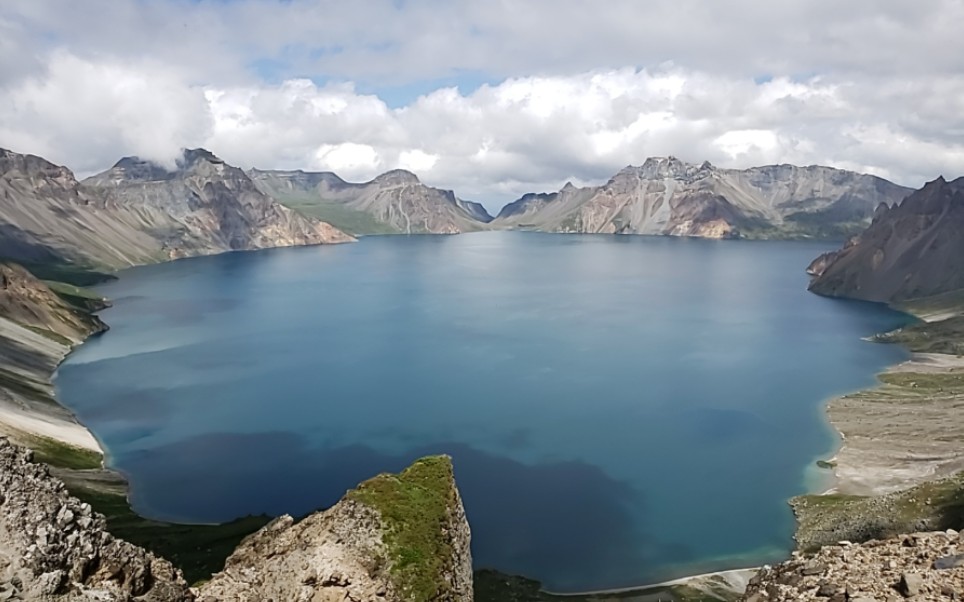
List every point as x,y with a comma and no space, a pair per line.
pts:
25,413
882,450
728,576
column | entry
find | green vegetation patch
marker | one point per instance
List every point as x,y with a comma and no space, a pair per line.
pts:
415,506
924,383
827,519
62,455
198,550
944,336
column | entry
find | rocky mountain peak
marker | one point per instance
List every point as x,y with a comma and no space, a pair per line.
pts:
663,168
397,177
31,166
145,170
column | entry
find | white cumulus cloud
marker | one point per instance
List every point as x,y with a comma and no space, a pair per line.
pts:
574,91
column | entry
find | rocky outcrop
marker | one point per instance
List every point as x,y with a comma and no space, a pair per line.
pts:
922,566
30,302
394,202
395,538
667,196
912,250
53,547
139,213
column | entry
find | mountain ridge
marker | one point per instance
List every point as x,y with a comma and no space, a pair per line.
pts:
395,202
139,212
666,196
911,250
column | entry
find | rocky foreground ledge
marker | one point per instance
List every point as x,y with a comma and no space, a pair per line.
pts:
54,547
920,567
396,538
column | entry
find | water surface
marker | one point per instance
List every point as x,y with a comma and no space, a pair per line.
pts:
620,410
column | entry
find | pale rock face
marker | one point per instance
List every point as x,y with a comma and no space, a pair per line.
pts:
666,196
910,251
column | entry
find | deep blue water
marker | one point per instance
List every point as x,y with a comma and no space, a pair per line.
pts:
620,410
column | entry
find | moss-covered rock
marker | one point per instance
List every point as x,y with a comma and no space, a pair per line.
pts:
397,538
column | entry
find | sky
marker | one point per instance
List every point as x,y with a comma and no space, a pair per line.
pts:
491,98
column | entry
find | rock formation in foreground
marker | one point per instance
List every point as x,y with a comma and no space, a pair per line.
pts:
53,547
394,202
395,538
922,566
139,213
670,197
912,250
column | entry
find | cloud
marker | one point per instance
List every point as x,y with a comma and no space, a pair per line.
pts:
873,85
82,113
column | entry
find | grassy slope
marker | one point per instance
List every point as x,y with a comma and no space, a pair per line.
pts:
827,519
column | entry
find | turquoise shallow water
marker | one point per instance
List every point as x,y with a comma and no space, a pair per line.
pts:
620,410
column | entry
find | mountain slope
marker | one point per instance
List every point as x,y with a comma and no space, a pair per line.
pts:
912,250
394,202
47,217
206,206
667,196
140,213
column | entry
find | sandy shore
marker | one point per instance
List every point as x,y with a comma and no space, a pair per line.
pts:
28,407
903,432
907,430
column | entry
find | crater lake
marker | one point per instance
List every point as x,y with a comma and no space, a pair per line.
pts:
619,410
